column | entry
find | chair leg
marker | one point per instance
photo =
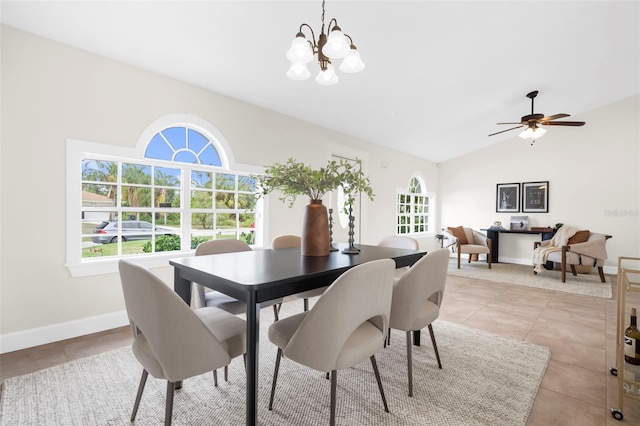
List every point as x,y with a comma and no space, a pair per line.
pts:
226,373
168,411
601,272
332,414
435,347
275,313
409,363
143,381
306,304
275,378
573,270
377,373
458,258
215,377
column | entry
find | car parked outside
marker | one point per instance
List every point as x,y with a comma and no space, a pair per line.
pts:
107,231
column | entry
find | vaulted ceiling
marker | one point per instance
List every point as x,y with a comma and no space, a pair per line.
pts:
439,75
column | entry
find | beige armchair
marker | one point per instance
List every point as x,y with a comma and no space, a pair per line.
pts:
574,248
347,325
171,341
417,296
470,242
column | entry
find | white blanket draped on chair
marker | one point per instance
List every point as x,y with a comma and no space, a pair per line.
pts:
561,238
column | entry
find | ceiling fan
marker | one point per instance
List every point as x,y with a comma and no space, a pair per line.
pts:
533,122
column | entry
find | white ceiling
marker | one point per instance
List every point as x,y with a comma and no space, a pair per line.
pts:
439,75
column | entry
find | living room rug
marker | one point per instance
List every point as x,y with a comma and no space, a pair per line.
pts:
485,380
584,284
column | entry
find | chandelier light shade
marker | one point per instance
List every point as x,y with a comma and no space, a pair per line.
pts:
331,45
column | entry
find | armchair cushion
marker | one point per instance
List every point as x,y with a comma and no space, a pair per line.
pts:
579,237
459,233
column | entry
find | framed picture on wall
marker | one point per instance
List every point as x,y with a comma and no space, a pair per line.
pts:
535,197
508,198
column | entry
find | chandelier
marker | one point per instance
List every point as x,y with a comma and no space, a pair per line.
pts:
332,45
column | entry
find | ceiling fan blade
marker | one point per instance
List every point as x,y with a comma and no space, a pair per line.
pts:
553,117
502,131
515,122
564,123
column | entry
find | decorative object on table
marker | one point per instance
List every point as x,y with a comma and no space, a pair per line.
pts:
508,197
519,223
294,178
440,238
331,45
353,181
533,121
352,248
331,247
535,197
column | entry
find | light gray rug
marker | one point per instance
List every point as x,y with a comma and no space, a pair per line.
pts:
583,284
485,380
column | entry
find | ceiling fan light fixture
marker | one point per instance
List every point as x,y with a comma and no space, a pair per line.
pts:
533,131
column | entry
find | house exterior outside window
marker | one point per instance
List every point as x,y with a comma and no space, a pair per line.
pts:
414,209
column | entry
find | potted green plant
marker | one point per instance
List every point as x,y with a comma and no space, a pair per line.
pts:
293,179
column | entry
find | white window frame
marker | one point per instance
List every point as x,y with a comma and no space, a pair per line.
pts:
77,150
430,215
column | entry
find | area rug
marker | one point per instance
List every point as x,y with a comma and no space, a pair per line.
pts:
486,380
584,284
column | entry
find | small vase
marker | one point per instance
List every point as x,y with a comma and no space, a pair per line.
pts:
315,230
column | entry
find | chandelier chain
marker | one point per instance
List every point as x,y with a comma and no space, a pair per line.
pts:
322,16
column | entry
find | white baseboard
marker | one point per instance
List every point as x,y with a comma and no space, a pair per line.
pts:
66,330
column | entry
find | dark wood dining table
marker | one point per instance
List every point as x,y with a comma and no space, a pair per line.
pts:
261,275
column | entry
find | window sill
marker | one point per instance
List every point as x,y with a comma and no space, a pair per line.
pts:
110,266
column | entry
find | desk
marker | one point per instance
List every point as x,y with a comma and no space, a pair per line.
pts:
494,236
261,275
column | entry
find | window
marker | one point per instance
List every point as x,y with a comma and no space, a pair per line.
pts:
413,209
175,190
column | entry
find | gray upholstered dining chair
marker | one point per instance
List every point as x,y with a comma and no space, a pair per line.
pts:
172,341
216,299
401,242
417,296
346,325
293,241
221,300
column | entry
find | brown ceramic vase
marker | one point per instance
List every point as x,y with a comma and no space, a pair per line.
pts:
315,230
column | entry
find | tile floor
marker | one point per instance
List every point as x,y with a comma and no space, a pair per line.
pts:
577,389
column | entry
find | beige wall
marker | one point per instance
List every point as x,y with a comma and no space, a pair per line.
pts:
51,93
593,176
